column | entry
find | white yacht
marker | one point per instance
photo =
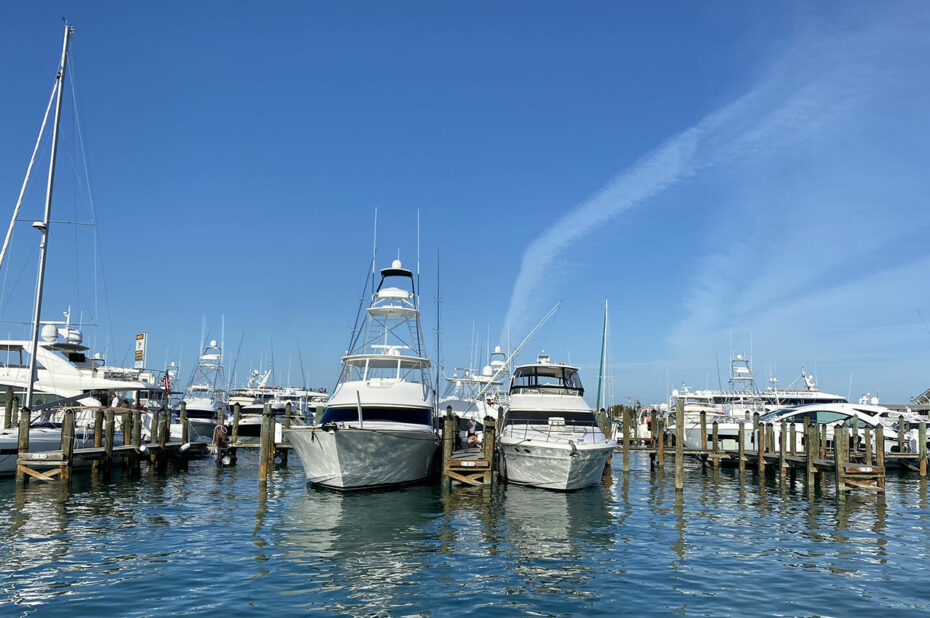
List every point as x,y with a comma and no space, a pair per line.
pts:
550,437
477,395
378,427
206,392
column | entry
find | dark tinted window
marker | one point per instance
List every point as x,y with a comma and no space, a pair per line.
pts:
396,415
541,418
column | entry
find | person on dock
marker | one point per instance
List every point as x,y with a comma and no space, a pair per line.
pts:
114,403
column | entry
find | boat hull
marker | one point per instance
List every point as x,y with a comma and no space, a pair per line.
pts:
553,466
351,458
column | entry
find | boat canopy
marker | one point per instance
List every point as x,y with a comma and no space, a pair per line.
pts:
546,378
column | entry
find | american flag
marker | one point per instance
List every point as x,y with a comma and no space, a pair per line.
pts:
166,381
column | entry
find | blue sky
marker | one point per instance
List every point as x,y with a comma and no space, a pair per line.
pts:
741,177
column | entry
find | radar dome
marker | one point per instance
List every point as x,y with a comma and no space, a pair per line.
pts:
49,333
874,401
487,371
213,342
396,264
675,393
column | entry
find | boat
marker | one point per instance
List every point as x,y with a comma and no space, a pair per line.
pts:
205,395
476,395
378,427
549,436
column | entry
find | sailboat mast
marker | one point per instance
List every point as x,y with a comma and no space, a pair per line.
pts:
600,376
43,225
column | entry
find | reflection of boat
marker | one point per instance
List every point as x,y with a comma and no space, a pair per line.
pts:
377,429
550,437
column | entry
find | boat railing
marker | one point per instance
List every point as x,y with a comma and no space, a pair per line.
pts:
550,430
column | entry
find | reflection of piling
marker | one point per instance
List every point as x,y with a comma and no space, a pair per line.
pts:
680,444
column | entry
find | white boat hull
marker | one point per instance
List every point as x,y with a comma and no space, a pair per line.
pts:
41,439
351,458
553,466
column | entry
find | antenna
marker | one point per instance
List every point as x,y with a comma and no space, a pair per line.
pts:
418,261
300,359
717,361
374,251
438,356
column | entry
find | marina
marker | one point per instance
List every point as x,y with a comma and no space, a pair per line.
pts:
354,452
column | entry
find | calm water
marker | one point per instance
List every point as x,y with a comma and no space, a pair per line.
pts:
208,541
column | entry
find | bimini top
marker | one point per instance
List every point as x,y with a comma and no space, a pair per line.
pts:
396,270
545,377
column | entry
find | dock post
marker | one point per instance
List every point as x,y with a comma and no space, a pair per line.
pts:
741,447
716,444
782,463
98,435
760,446
880,452
703,430
868,445
840,444
448,440
500,420
770,433
653,424
220,417
67,444
266,446
680,444
8,412
237,415
810,452
137,428
823,442
901,434
488,446
110,432
660,454
164,436
153,429
855,438
626,439
22,444
792,444
125,424
922,447
185,426
287,425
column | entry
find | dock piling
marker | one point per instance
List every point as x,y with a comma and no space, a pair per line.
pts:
8,411
237,415
185,426
880,452
867,433
660,454
488,444
922,447
448,441
703,430
626,439
266,445
901,448
22,444
810,452
67,444
288,410
840,446
742,446
782,450
110,431
716,444
680,444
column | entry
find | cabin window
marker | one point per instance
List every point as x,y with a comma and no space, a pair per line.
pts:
394,415
534,417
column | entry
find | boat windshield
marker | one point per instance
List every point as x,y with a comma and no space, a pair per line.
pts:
541,417
554,378
417,416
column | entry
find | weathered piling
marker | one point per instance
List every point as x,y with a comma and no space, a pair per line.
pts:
185,425
840,447
901,447
488,445
67,444
680,444
287,425
110,430
237,415
448,441
867,436
8,411
782,451
22,444
703,430
220,417
98,428
880,452
626,440
660,453
855,437
653,430
153,430
760,445
266,445
922,447
137,428
716,442
792,443
810,452
126,427
741,435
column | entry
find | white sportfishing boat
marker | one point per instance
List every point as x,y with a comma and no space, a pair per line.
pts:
206,392
550,437
377,429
